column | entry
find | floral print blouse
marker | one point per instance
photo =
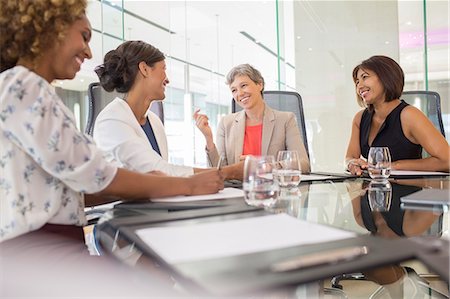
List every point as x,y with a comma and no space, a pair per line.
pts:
46,164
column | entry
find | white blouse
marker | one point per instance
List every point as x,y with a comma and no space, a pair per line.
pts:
46,164
118,133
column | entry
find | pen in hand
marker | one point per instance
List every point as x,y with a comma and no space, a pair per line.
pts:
219,164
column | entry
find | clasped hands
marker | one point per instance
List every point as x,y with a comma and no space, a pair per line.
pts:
356,166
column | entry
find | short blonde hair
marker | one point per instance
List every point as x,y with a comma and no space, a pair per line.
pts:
30,27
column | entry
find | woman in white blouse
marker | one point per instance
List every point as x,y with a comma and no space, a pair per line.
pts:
126,129
48,169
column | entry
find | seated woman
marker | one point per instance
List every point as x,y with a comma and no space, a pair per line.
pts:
49,170
126,129
257,129
389,121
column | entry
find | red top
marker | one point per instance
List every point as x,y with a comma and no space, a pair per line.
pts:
252,140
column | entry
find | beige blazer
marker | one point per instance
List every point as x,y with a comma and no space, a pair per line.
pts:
279,132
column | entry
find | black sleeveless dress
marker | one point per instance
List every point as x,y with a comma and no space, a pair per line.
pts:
390,135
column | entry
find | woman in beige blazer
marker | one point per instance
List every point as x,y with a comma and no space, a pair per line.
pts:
278,129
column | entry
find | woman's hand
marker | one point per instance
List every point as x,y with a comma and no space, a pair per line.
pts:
234,171
201,121
206,182
356,166
242,157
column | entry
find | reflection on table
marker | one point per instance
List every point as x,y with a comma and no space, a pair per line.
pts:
358,205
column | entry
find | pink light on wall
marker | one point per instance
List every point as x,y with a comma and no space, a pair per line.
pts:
414,39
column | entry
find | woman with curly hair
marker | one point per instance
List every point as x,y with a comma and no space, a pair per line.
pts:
49,170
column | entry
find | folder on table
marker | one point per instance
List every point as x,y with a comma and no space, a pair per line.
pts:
428,197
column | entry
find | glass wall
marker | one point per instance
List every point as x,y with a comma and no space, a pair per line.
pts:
333,37
307,46
424,49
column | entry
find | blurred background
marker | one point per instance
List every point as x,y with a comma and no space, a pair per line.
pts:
306,46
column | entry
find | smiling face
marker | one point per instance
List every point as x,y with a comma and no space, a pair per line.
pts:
246,92
157,80
66,57
369,87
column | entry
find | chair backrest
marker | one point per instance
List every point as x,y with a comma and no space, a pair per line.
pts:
99,98
284,101
429,102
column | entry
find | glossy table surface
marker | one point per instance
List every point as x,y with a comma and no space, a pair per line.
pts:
368,208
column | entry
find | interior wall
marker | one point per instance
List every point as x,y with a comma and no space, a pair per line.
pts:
332,37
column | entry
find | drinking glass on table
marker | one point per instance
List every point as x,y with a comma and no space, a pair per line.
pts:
379,163
260,186
288,169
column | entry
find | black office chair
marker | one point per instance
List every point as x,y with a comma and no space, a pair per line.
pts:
99,98
284,101
429,102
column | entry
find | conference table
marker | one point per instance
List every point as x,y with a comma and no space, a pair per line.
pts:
402,241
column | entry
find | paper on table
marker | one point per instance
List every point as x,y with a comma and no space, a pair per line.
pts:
415,172
103,207
222,194
178,244
315,177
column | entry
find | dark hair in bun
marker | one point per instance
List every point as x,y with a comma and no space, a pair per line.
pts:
120,66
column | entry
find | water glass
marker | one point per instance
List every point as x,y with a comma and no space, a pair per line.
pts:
288,170
379,163
260,186
380,196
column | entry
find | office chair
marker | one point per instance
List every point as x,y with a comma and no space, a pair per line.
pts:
99,98
429,102
284,101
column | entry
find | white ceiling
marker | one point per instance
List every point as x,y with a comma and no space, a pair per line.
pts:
214,40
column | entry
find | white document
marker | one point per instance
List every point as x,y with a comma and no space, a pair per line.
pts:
315,177
222,194
418,173
178,244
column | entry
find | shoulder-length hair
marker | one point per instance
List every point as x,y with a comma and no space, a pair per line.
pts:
389,73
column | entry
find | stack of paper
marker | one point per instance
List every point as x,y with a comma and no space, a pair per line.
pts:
417,173
177,244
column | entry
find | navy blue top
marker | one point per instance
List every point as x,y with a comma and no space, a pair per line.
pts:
151,136
390,135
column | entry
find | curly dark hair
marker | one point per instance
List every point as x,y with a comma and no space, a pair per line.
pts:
121,65
30,27
389,73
